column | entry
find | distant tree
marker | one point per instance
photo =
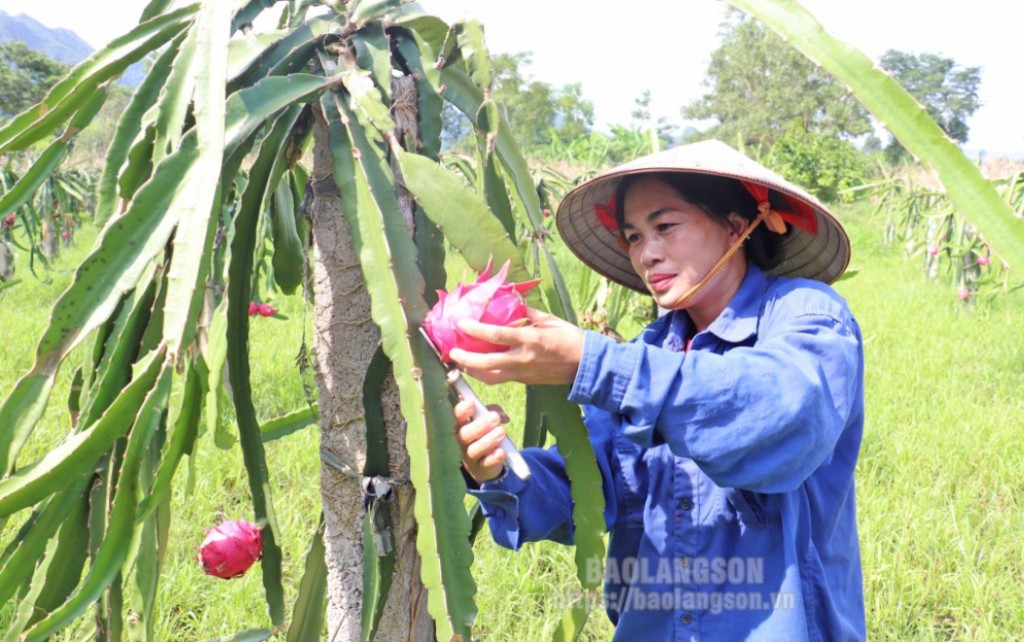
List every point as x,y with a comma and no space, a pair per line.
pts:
527,105
759,86
947,91
537,112
574,115
872,145
827,166
642,118
25,77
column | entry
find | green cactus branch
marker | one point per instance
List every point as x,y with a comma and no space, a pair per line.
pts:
200,203
908,121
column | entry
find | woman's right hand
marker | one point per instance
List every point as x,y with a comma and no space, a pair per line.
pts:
480,440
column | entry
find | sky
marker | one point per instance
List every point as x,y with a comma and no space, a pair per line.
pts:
665,45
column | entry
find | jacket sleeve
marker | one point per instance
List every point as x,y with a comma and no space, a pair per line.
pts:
540,508
761,417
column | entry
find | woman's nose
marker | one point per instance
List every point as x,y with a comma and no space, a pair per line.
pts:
650,253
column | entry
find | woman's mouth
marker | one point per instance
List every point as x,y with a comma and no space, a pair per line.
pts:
660,282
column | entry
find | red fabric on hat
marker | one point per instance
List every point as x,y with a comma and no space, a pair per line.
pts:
605,213
802,216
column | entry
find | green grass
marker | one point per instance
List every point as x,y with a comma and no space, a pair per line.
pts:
192,606
939,493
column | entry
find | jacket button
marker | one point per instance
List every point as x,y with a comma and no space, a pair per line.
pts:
686,619
685,504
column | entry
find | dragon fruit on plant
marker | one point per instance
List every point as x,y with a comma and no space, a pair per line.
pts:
261,309
488,300
230,549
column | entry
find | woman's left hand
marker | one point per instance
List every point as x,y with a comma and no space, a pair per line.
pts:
547,350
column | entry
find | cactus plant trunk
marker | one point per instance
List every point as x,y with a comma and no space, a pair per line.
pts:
6,261
49,244
345,341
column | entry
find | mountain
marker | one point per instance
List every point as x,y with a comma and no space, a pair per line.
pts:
62,45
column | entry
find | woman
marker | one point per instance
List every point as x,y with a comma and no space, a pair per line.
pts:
727,433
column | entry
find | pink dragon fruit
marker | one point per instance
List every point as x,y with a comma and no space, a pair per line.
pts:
230,549
262,309
487,300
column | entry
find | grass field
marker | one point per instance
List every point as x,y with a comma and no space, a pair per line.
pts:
939,490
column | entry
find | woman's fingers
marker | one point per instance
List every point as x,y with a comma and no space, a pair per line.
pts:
539,317
493,461
477,428
476,364
548,351
501,335
484,446
463,411
480,439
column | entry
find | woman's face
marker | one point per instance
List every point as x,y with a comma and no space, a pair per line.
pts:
673,244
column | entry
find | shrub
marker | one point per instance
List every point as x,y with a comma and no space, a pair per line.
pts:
827,166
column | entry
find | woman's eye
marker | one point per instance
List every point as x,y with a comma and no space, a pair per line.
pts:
632,238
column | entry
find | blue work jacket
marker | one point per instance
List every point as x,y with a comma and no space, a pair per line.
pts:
728,471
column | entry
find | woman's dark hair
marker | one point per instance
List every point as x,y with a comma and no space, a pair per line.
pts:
718,196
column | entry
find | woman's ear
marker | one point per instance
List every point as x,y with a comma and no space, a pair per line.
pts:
737,223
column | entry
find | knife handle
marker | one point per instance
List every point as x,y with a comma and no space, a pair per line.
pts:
513,457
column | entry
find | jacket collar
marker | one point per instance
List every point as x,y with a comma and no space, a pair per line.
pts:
737,322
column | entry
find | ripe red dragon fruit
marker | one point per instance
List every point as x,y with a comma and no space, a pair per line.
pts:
230,549
262,309
488,300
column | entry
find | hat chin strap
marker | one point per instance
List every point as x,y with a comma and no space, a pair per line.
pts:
772,220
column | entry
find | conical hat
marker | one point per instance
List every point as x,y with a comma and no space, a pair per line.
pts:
823,255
